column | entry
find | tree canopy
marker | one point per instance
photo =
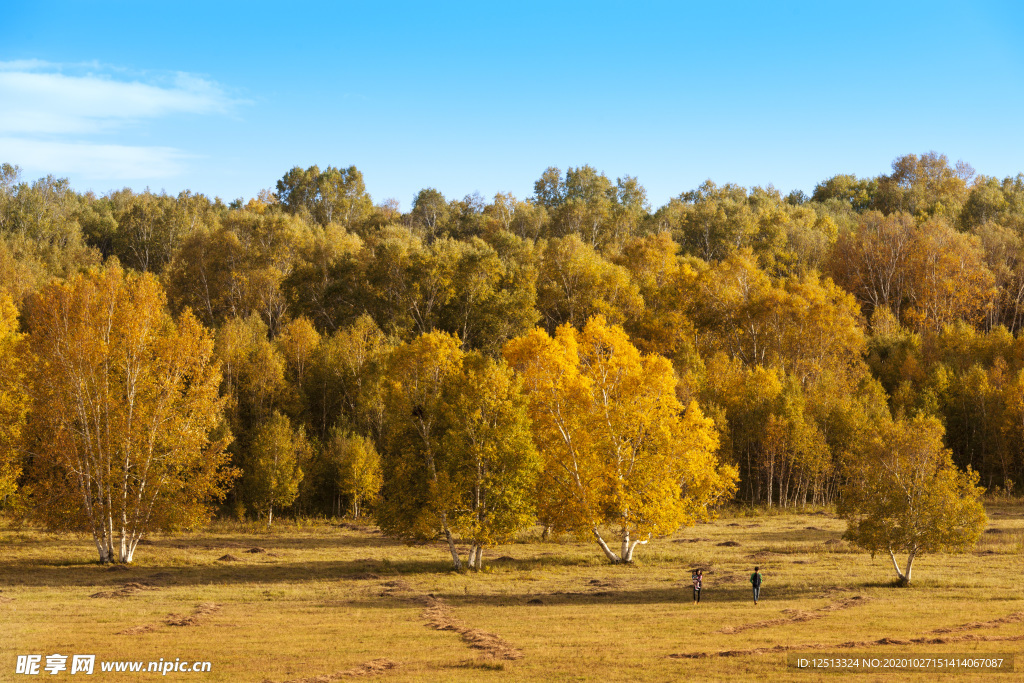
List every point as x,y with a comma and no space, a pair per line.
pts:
787,327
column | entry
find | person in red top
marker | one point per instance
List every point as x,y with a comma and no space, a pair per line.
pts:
698,579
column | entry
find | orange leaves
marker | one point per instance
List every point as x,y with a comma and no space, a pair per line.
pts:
928,275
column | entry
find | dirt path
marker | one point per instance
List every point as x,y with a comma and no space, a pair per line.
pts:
438,615
1015,618
795,616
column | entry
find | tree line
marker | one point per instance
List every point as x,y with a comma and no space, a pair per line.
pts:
760,344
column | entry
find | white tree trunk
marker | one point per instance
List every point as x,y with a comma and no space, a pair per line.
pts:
628,555
476,557
130,546
456,560
904,576
895,564
612,557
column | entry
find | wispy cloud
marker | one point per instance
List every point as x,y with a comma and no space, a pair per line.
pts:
93,160
61,116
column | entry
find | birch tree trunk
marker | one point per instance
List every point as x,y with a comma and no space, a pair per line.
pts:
904,576
456,560
134,395
628,554
612,557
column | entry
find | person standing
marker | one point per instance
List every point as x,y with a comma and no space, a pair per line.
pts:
698,580
755,581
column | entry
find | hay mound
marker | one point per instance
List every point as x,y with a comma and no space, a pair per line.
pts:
130,588
535,601
228,558
728,544
256,550
198,615
393,587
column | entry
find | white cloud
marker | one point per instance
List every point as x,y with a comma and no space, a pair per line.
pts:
65,118
93,161
55,103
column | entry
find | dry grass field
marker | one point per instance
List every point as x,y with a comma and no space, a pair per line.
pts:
327,601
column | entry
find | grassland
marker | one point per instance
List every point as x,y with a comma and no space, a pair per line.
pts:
319,599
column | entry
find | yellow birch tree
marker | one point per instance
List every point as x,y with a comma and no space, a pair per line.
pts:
617,447
124,401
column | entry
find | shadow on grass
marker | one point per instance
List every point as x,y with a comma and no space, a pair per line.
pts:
682,594
376,575
247,567
792,536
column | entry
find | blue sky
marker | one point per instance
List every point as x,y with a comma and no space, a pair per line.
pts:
223,98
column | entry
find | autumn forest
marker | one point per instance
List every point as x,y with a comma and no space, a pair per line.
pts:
576,358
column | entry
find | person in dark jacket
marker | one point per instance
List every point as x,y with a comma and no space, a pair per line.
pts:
755,581
698,580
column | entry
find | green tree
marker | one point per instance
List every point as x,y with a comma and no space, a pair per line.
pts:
924,186
421,478
358,468
574,283
857,193
457,458
333,195
490,435
274,465
430,212
904,495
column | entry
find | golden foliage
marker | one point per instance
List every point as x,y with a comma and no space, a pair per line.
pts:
124,400
13,396
617,447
